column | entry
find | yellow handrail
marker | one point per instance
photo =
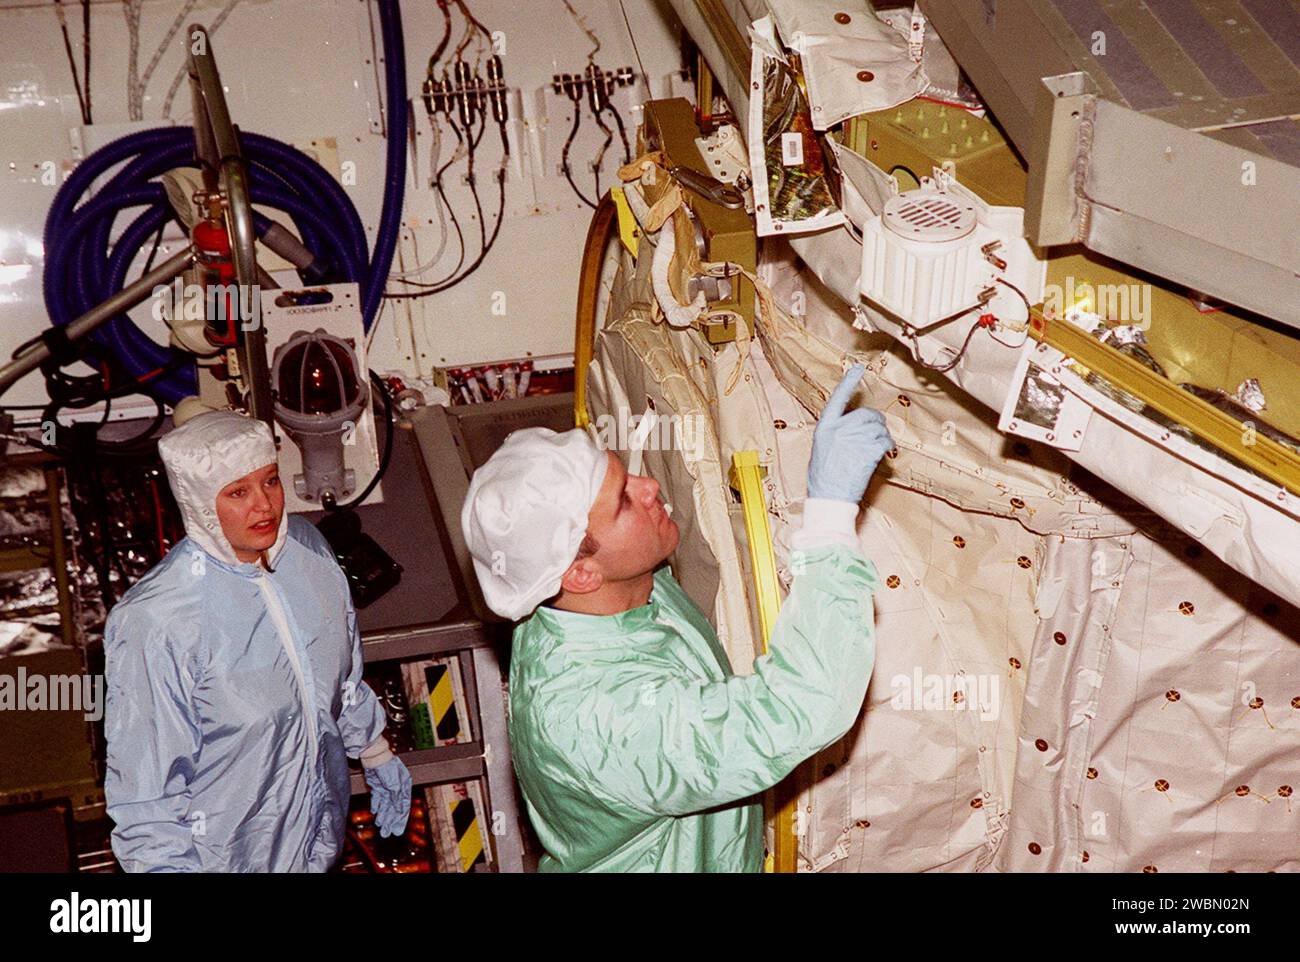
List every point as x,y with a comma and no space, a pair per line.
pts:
746,478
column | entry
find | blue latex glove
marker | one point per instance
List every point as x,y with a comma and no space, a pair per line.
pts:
846,446
390,796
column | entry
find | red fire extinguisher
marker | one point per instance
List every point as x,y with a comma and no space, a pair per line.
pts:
216,267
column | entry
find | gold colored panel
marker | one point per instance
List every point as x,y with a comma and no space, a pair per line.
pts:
922,134
728,233
1218,349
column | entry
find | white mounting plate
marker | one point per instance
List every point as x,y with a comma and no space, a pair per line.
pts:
1065,427
341,317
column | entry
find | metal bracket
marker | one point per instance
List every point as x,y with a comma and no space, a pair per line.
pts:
1055,210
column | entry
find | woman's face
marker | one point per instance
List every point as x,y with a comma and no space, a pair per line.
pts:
250,510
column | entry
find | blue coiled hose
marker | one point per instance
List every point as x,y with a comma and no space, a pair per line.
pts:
81,270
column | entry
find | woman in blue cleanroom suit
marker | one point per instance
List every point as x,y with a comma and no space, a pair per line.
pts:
234,679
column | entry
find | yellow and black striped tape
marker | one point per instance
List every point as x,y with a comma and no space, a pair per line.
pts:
442,703
469,837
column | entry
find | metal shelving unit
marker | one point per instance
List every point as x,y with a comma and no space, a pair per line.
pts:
487,755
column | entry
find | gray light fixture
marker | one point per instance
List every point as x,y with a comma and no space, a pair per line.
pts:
320,395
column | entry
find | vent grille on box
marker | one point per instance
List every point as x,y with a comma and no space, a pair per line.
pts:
925,216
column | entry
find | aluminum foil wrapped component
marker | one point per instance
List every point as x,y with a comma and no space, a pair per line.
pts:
1040,399
1131,339
1127,339
30,596
23,512
20,638
129,502
1250,394
798,190
1229,404
1123,335
791,177
29,600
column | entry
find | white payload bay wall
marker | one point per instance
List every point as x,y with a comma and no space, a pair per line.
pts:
303,71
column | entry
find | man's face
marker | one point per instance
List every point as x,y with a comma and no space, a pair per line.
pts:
249,511
629,523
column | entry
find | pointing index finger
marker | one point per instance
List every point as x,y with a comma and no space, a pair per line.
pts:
839,399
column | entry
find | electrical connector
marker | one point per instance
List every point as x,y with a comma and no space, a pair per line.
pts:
989,249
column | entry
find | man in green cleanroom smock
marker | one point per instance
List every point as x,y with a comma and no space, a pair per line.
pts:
636,746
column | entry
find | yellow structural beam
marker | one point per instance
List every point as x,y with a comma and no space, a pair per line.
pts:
1262,454
747,479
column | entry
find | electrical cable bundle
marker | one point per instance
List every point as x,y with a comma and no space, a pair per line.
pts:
461,99
985,321
575,95
605,104
136,82
596,86
182,71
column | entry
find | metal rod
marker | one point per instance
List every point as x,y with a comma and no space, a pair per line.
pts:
125,299
205,148
251,344
203,67
59,558
221,137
